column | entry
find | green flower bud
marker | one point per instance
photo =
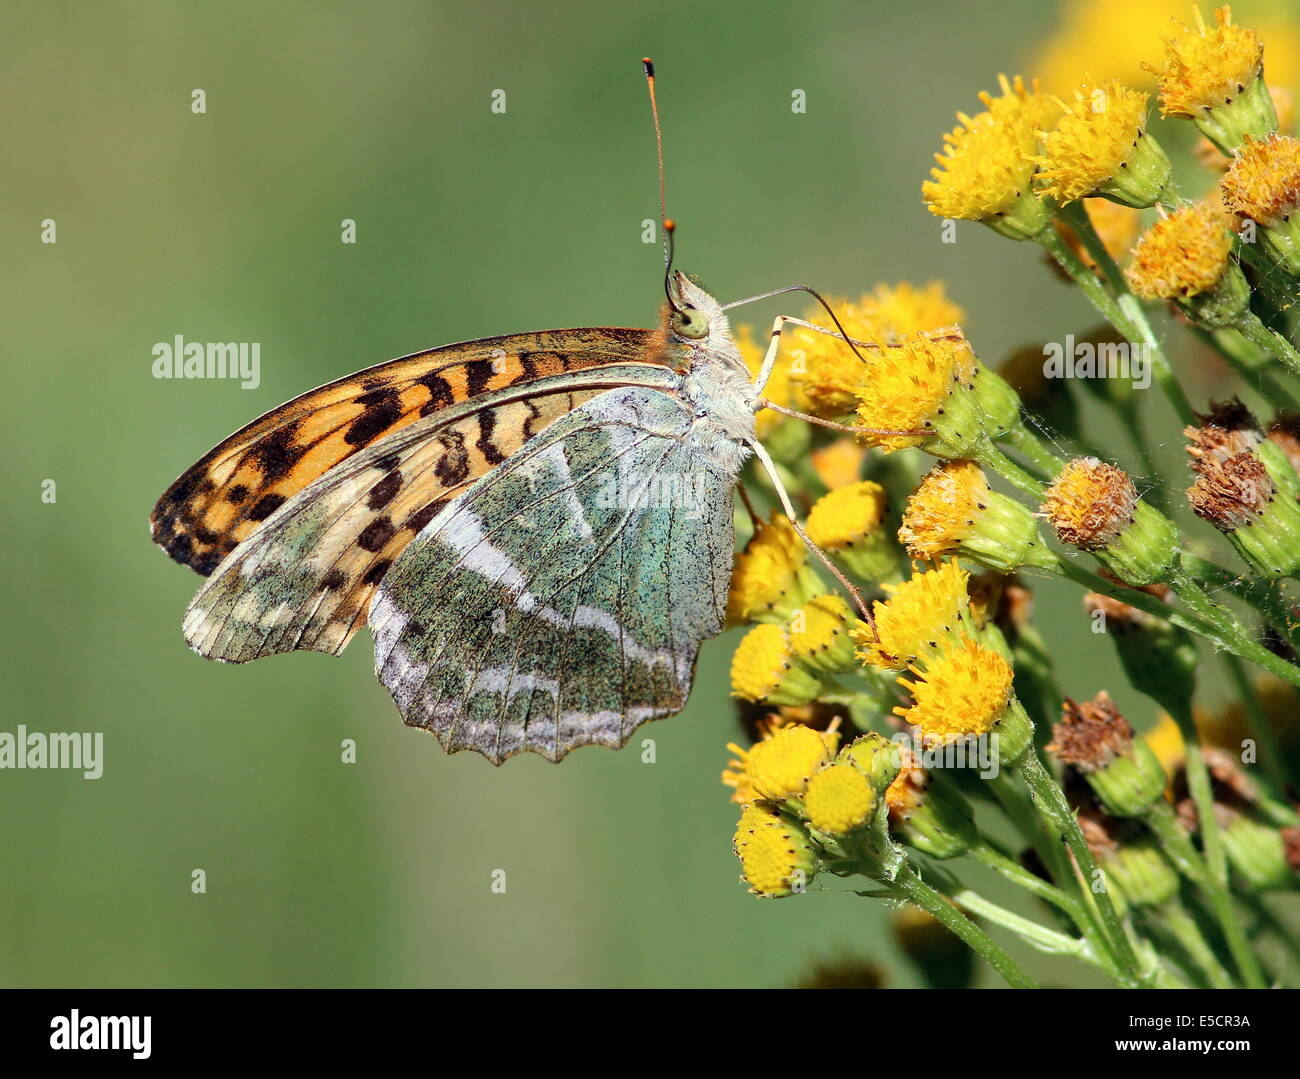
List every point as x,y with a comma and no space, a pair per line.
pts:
936,821
954,511
876,757
1157,656
1256,851
1142,179
997,401
1143,873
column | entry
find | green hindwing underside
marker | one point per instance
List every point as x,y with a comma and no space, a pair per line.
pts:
561,600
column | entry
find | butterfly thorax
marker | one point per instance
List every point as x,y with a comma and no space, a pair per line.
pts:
715,385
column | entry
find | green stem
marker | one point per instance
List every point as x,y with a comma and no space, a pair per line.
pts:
1270,751
933,903
1050,801
1040,936
1202,792
1020,811
1173,837
1027,444
1267,919
1123,311
1174,917
1260,593
987,855
1272,342
991,457
1229,632
1253,369
1143,601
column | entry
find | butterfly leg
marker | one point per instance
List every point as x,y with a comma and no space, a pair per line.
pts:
769,360
769,467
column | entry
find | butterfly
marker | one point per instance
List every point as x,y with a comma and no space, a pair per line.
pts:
537,527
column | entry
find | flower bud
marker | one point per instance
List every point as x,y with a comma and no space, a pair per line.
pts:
1097,741
775,855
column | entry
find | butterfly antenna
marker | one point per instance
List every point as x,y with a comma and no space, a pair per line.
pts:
669,226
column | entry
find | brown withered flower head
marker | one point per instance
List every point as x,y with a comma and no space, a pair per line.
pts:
1092,734
1232,493
1225,431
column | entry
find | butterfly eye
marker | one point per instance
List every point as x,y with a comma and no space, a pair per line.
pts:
691,323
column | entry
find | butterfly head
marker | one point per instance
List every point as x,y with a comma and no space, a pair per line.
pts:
695,315
700,330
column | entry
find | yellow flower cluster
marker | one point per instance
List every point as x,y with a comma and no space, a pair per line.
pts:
1093,141
1183,254
1205,68
906,384
920,613
825,374
1264,180
986,167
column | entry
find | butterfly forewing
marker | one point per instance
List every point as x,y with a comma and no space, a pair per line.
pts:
226,496
303,581
561,601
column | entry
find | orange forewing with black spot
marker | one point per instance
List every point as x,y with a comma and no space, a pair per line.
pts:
223,499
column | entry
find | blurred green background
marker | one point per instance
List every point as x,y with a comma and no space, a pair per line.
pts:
225,227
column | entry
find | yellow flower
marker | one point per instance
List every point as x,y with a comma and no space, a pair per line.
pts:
1100,147
839,800
759,663
825,372
919,613
777,390
905,308
820,634
1166,742
906,384
985,171
964,690
770,574
779,767
839,463
1090,503
1205,68
763,669
846,516
736,774
942,509
774,854
1264,180
1113,39
1182,254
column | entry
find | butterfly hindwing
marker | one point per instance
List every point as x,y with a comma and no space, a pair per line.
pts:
227,496
561,600
304,580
